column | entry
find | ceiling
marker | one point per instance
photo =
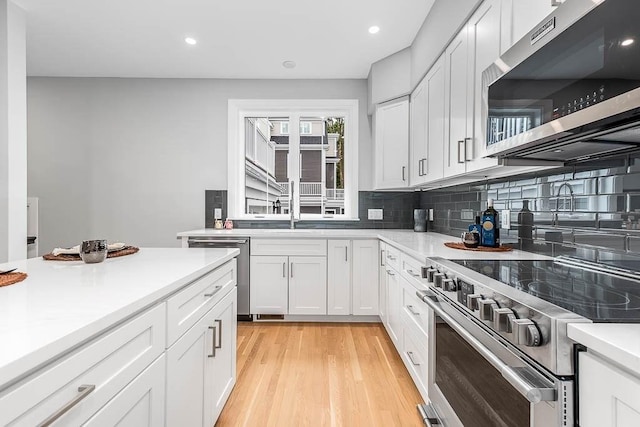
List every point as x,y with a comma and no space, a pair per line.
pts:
236,38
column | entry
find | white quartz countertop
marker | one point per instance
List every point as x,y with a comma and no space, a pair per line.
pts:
418,245
63,303
615,341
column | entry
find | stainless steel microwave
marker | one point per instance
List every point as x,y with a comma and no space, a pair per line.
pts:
570,89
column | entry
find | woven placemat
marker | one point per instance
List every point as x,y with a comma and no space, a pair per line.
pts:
11,278
460,245
127,250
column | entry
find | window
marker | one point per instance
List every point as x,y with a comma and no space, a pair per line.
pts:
312,172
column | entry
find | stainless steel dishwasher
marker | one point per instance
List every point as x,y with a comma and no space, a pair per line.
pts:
241,243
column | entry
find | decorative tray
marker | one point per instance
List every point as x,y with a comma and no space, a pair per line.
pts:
11,278
127,250
460,245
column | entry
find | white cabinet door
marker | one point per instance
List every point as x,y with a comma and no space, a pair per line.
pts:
382,281
187,374
365,277
222,371
418,133
269,284
608,396
141,403
457,104
392,144
307,285
394,302
519,17
484,45
339,277
433,166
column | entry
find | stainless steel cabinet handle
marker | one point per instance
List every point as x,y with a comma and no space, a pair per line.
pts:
215,291
291,269
213,342
284,268
532,393
410,356
382,257
403,168
219,322
465,150
413,273
346,254
460,144
234,242
84,391
412,311
391,273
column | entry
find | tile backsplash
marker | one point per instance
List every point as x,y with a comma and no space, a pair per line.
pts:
590,210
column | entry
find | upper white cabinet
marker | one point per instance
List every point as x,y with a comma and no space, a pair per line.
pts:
427,126
519,17
390,78
392,144
609,396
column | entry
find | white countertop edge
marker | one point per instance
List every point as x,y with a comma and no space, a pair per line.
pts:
619,342
35,360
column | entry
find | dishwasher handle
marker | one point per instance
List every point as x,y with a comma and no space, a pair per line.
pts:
231,242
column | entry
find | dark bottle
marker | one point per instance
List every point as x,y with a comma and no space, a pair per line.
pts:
490,235
525,227
476,227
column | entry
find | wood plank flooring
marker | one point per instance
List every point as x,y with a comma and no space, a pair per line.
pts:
319,374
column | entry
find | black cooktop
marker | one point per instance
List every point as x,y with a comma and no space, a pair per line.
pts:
599,296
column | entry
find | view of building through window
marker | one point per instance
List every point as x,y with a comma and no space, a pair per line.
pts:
320,178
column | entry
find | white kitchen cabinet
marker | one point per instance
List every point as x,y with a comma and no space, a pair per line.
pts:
392,144
609,396
195,392
382,284
521,16
140,404
394,307
307,285
339,277
416,357
365,277
428,126
269,284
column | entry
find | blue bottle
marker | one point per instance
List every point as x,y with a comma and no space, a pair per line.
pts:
490,234
476,227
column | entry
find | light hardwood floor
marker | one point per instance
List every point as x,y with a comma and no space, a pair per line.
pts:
319,374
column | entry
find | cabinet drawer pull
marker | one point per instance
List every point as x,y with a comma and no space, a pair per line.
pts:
413,273
465,150
461,143
412,310
410,356
84,391
284,269
346,254
403,169
291,269
219,322
382,257
213,342
391,273
391,257
215,291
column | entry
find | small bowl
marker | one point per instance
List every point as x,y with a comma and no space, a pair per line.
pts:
93,251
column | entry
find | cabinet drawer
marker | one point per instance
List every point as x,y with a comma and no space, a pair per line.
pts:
109,363
190,304
415,357
415,312
288,247
410,268
392,257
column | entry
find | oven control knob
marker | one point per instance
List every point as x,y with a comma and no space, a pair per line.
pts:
526,332
486,307
450,285
438,278
472,301
502,319
431,273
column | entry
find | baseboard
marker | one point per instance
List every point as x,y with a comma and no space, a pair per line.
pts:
320,318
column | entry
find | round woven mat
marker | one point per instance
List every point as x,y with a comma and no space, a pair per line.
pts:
460,245
11,278
127,250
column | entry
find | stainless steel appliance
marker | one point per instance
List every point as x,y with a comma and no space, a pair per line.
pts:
570,89
499,345
241,243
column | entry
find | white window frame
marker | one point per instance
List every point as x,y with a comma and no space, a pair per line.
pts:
302,124
240,109
284,128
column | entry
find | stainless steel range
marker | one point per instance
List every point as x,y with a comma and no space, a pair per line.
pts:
498,342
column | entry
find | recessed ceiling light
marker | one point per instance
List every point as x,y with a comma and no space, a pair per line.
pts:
190,40
627,42
374,29
289,64
557,151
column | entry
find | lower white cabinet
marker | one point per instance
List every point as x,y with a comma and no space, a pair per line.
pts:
307,285
339,256
382,284
609,396
201,367
394,306
269,284
365,277
140,404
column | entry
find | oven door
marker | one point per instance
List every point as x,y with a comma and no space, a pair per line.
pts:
476,380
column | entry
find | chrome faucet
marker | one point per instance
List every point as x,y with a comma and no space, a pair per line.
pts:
571,200
292,218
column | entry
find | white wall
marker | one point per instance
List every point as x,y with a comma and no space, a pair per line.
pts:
390,78
129,159
13,136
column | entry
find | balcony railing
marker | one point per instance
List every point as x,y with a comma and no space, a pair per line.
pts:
337,194
314,189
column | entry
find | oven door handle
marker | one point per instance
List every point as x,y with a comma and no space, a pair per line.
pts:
532,393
